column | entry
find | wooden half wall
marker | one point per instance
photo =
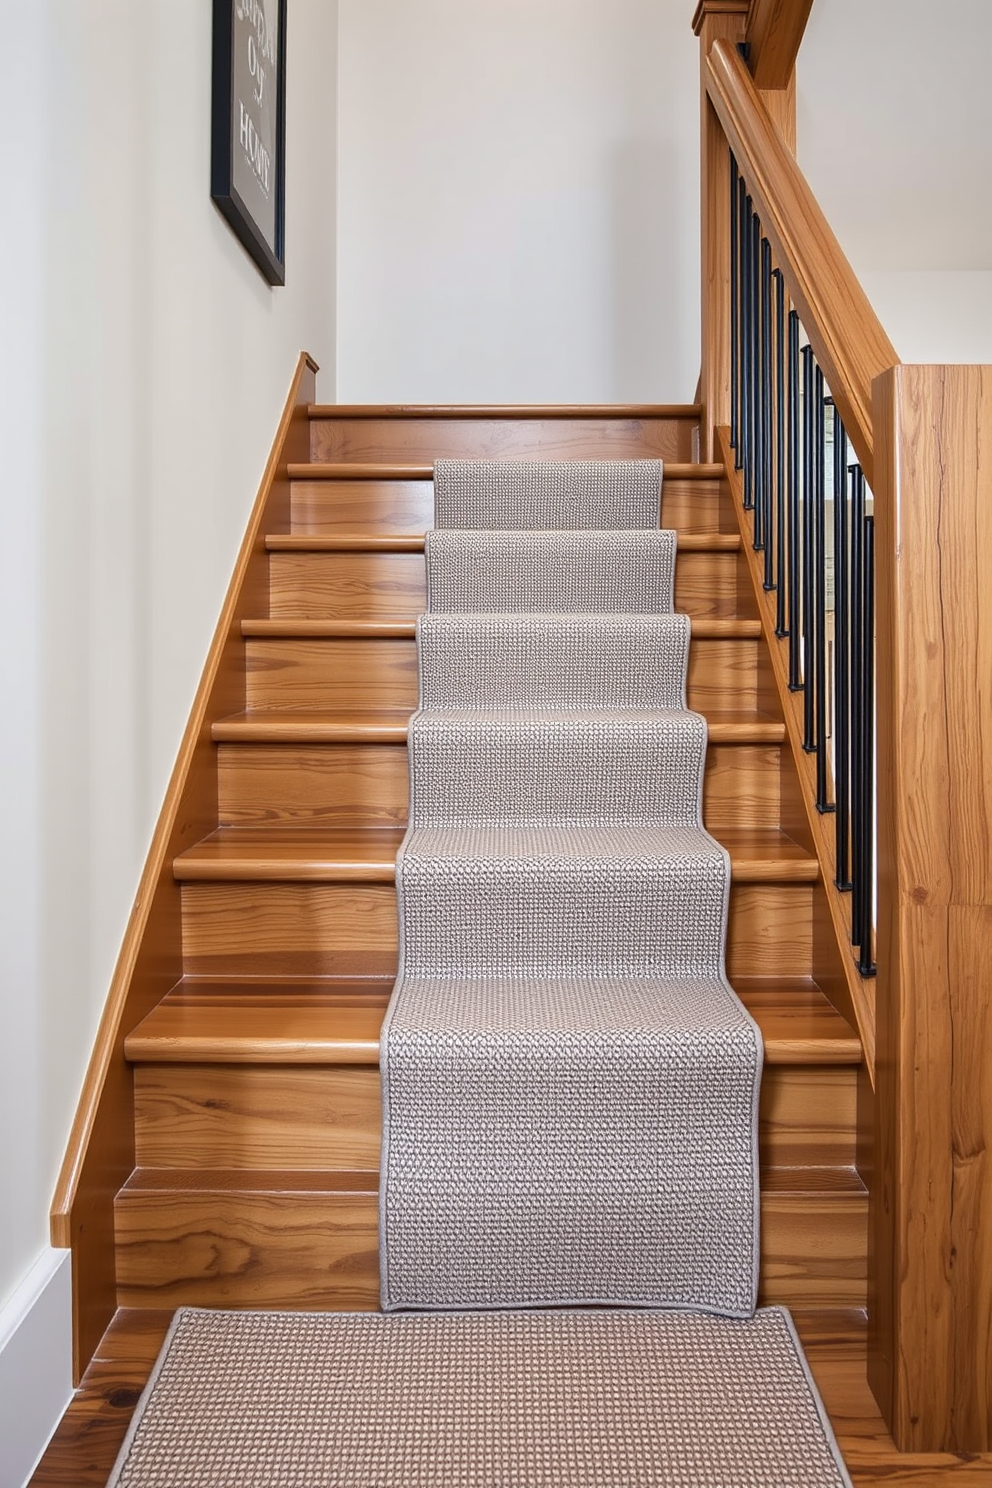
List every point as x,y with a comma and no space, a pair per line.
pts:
930,1344
100,1153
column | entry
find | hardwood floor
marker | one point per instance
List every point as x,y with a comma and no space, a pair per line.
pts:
86,1443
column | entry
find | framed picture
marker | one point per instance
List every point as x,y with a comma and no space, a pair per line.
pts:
248,127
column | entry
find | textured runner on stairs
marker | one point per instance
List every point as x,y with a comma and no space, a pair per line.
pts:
569,1083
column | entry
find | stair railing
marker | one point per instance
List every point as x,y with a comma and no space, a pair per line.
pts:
806,403
790,447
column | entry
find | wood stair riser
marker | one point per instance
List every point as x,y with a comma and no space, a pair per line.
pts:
258,1116
318,929
411,439
229,1248
406,507
387,586
354,785
318,674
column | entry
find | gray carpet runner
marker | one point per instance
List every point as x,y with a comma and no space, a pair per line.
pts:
557,494
479,1400
569,1083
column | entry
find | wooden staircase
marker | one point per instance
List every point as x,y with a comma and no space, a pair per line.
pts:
256,1102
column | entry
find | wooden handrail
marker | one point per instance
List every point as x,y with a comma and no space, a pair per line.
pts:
849,341
774,32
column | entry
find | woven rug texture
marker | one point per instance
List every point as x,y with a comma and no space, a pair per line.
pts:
569,1083
492,1400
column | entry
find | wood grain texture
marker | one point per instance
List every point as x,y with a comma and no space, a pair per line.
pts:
336,1021
714,22
835,968
693,498
313,675
931,1339
329,585
100,1149
305,1240
329,929
775,30
367,785
390,508
389,726
501,438
847,337
351,855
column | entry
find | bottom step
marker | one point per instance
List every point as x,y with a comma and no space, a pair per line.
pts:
582,1397
307,1240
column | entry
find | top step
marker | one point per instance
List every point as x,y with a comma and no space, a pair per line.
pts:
344,433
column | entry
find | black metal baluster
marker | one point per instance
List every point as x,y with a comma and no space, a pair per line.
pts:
747,336
766,378
866,963
794,455
780,478
820,593
842,669
857,696
734,297
808,532
754,264
742,209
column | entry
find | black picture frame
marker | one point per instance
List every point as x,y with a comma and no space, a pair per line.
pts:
248,128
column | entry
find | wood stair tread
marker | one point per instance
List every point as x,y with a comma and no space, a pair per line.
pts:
369,542
503,410
703,628
312,854
333,1021
389,726
249,1180
781,1182
376,470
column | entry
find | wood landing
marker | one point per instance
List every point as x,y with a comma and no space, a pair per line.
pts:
86,1443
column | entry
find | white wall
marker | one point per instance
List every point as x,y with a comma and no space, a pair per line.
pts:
518,201
895,138
143,367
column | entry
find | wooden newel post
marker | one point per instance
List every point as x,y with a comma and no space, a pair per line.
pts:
715,18
930,1344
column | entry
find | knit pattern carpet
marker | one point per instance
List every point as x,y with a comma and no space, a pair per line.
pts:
569,1083
492,1400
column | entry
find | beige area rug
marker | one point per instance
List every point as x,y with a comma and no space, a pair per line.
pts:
562,1399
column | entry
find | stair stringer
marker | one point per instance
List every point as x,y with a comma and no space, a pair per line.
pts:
100,1152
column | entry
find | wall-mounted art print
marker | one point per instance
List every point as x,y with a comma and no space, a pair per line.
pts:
248,134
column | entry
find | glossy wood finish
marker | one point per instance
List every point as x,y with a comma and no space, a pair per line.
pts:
356,673
389,726
280,854
693,497
715,20
836,966
303,1239
324,582
775,30
367,785
850,344
86,1443
100,1151
336,1021
620,436
931,1354
330,929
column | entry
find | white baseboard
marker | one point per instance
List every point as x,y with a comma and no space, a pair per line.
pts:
35,1365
